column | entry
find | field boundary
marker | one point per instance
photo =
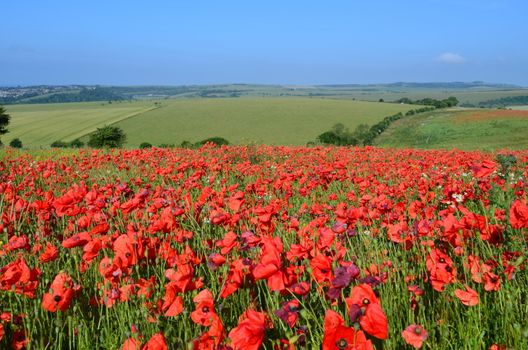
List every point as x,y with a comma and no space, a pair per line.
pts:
126,117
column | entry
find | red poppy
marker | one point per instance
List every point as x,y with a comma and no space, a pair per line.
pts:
236,276
270,264
469,297
18,277
156,342
131,344
289,312
229,242
50,253
249,333
211,339
204,311
441,269
60,295
322,269
77,240
414,335
172,303
339,337
124,248
483,169
371,318
519,215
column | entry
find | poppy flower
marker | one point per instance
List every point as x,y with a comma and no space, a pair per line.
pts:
322,269
77,240
19,340
211,339
372,318
236,277
339,337
215,260
131,344
172,303
414,335
483,169
60,295
343,277
289,312
156,342
270,264
250,331
204,310
124,248
469,297
492,282
441,269
229,242
18,277
519,215
50,253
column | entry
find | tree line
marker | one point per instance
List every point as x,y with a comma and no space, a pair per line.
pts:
445,103
364,134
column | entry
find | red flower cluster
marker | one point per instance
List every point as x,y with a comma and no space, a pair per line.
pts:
251,247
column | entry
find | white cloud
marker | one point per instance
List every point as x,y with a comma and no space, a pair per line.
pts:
451,58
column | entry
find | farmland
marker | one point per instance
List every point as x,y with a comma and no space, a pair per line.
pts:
41,124
266,247
288,121
463,129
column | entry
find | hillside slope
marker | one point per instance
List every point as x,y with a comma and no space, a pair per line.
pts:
485,129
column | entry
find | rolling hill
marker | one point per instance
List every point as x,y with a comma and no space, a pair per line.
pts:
487,129
282,121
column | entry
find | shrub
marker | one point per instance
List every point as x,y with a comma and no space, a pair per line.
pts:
166,145
186,144
107,136
16,143
59,144
145,145
76,143
338,136
219,141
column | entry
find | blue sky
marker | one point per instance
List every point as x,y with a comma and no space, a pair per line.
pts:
284,42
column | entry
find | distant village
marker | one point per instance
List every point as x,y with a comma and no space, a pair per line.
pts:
18,92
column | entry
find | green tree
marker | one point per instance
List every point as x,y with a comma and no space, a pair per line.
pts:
219,141
4,120
59,144
76,144
16,143
338,135
107,136
362,133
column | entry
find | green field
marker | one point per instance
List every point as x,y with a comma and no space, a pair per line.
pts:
282,121
38,125
464,129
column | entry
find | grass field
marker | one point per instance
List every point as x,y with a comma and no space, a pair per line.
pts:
464,129
41,124
288,121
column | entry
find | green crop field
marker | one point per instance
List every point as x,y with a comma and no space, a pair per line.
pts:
282,121
486,129
38,125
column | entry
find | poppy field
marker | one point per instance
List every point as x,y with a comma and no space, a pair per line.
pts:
261,247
